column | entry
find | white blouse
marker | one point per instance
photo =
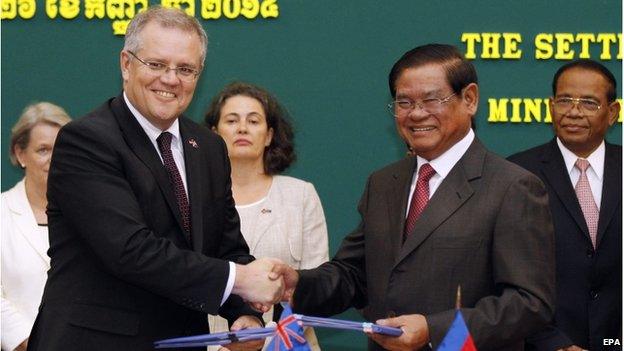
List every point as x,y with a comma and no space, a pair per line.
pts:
288,224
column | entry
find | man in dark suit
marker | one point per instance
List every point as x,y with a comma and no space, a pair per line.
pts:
588,226
144,235
452,215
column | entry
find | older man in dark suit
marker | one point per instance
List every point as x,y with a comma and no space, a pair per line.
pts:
583,175
453,214
144,235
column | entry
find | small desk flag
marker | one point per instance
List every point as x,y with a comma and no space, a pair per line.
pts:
288,334
458,337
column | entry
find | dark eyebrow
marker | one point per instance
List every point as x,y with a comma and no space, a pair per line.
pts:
182,65
587,97
435,94
590,97
432,94
186,65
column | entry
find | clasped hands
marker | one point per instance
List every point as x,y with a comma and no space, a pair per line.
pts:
264,282
261,283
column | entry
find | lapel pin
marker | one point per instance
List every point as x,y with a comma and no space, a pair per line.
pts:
193,143
265,210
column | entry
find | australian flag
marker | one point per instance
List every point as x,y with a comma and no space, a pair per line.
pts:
458,337
289,334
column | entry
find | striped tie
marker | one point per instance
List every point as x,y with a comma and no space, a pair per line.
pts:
419,198
586,200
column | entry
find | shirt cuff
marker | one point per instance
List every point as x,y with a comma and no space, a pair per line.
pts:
230,283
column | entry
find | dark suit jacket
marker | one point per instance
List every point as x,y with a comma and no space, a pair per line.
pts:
486,228
122,272
589,282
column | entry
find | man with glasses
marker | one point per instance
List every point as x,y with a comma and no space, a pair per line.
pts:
144,235
453,215
583,176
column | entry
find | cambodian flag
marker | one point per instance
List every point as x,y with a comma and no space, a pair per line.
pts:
458,337
289,334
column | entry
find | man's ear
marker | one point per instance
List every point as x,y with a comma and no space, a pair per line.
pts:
470,97
614,112
124,63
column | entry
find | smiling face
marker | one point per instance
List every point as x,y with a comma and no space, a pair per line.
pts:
579,130
430,133
243,126
161,98
35,158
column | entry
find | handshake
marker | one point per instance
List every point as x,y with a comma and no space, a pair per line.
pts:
264,282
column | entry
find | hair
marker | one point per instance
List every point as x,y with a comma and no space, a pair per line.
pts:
280,154
33,115
459,71
589,65
168,18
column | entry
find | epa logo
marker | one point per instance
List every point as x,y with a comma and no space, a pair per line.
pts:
611,342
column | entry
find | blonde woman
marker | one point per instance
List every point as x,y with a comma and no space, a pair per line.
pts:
24,235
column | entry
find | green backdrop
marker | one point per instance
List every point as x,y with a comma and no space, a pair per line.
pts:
327,62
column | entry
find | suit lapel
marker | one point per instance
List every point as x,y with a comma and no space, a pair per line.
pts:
397,203
557,176
454,190
25,221
194,181
611,190
140,144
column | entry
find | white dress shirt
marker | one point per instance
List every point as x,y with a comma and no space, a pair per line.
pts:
595,171
153,133
442,165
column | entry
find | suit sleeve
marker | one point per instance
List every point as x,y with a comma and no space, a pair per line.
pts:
548,339
522,269
88,184
340,283
233,247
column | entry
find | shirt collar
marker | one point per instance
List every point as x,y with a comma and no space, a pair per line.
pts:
445,162
596,158
151,130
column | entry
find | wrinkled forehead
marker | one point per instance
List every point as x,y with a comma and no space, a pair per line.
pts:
582,82
171,43
156,34
427,80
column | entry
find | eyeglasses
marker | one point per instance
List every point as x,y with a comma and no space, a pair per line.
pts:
566,104
186,74
400,108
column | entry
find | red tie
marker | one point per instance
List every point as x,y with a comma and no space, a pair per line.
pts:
419,198
164,145
586,200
